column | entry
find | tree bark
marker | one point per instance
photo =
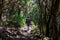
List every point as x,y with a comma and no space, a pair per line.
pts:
40,22
54,16
0,8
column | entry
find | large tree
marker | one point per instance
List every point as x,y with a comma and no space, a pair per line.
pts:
55,7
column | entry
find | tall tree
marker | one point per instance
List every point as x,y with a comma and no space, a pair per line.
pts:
0,8
55,7
41,21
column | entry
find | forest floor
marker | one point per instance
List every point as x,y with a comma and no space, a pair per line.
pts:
25,33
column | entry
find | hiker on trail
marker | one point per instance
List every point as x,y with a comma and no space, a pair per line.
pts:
28,22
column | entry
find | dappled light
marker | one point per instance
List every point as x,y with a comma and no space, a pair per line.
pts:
29,19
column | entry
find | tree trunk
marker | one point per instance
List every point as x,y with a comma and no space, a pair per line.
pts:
40,22
54,16
46,23
0,8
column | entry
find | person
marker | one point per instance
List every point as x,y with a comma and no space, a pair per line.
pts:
28,21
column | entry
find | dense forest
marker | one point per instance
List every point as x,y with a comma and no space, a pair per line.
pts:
29,19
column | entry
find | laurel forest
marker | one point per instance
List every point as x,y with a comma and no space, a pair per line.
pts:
29,19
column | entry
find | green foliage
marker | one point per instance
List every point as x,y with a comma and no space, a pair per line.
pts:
19,10
22,21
